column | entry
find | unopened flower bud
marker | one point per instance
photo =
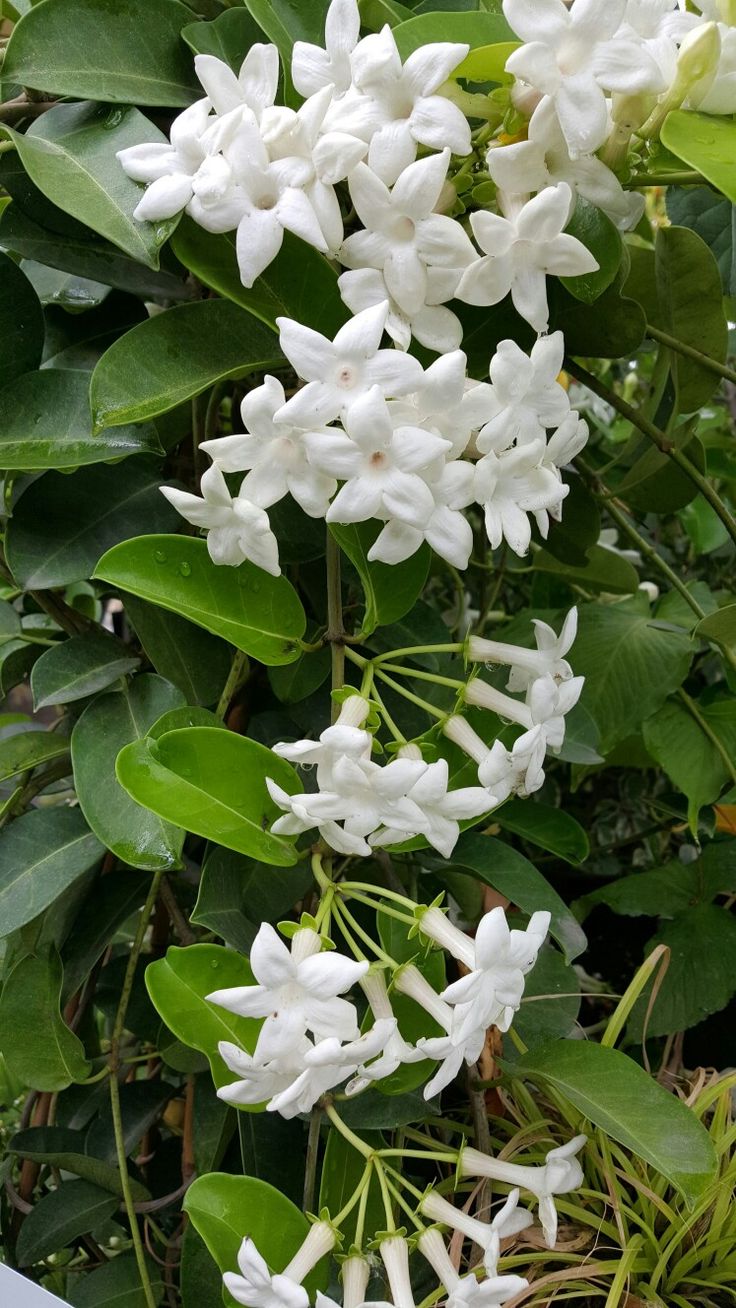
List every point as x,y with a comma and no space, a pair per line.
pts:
699,54
353,712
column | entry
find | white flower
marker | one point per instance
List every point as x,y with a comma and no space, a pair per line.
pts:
296,990
515,771
327,1065
521,250
257,1288
411,111
548,659
490,1293
237,530
433,325
549,702
395,1052
560,1174
493,989
403,235
718,96
569,56
255,85
394,1252
339,372
526,397
169,170
442,810
512,484
508,1221
380,464
448,402
451,1051
275,454
312,67
446,529
261,1077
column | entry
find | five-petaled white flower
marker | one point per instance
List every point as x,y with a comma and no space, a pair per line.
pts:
526,397
491,992
257,1287
328,1064
560,1174
237,529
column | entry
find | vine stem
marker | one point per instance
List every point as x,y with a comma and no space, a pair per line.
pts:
114,1066
690,352
335,634
439,714
657,437
687,178
234,676
708,731
310,1170
344,1129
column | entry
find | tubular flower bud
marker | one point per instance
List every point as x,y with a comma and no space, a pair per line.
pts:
560,1174
395,1255
321,1240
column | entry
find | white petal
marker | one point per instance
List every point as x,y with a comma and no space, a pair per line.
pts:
428,67
537,20
219,82
438,122
164,198
146,163
391,150
419,187
258,241
296,214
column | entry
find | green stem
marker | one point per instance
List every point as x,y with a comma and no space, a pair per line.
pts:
423,676
686,178
396,731
114,1065
379,907
346,1133
658,438
382,891
403,1204
439,714
385,1195
356,1197
360,1220
357,928
337,914
690,352
410,651
310,1169
335,630
234,678
708,731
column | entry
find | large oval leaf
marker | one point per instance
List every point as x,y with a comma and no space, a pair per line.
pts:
125,51
48,1056
73,1210
259,614
690,299
78,667
617,1095
174,356
42,854
45,423
21,322
213,783
706,143
111,721
69,152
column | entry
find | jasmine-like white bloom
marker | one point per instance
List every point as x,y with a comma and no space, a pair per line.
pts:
520,250
261,1077
405,95
492,990
403,236
296,990
237,529
274,453
512,483
395,1052
339,372
525,665
717,95
526,397
168,170
448,402
508,1221
433,325
573,55
467,1291
257,1287
254,86
450,1051
515,771
312,67
446,529
443,809
560,1174
380,464
318,1242
328,1064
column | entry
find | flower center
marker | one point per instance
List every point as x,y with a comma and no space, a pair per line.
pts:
378,459
404,229
347,376
266,202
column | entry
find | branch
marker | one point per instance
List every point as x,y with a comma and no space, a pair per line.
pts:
14,111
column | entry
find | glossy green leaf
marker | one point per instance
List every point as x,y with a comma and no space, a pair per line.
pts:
487,63
706,143
174,356
296,681
654,484
195,661
617,1095
259,614
49,1056
116,897
223,1207
550,828
213,783
110,722
599,235
28,750
694,748
300,283
178,986
45,423
78,667
475,29
602,571
614,326
389,590
117,1284
701,975
712,217
21,322
64,1148
659,892
227,37
9,621
69,152
690,301
62,1216
73,293
719,627
236,895
124,51
75,341
62,525
42,854
375,14
502,867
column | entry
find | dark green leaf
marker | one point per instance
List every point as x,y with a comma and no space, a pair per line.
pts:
695,748
614,326
389,590
549,828
712,217
76,1208
236,895
21,322
691,310
296,681
64,1148
141,1106
701,977
73,293
602,571
188,656
228,37
28,750
551,1002
719,627
342,1172
116,896
49,1056
661,892
596,231
42,854
79,667
117,1285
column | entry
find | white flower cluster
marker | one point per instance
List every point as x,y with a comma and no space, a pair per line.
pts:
359,805
411,447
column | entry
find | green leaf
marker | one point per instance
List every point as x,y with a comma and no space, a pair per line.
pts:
227,37
69,152
116,1285
630,667
503,868
174,356
115,899
64,1148
654,484
75,294
373,1111
223,1208
111,721
342,1171
21,322
9,625
190,657
374,14
61,526
719,627
389,590
690,309
123,51
707,144
598,234
48,1056
213,783
602,571
236,895
297,681
549,828
475,29
300,283
42,855
79,667
614,326
660,892
28,750
701,977
259,614
628,1104
178,986
60,1217
685,747
712,218
487,63
45,423
551,1003
287,21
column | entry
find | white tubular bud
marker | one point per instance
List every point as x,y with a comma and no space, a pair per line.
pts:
480,694
727,12
440,1210
432,1246
353,712
305,942
410,751
355,1272
373,985
435,924
409,981
320,1241
462,734
395,1254
699,54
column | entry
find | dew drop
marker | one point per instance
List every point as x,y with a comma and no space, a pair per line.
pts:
159,556
185,569
114,119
